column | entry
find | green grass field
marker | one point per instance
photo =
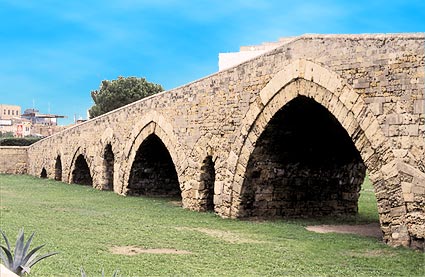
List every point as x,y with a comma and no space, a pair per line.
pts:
84,224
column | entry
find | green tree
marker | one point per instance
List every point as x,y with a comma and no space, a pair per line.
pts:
117,93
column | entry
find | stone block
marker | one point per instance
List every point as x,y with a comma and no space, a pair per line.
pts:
218,187
358,108
418,190
419,106
349,98
406,187
334,84
398,211
326,80
394,119
309,71
297,68
361,83
374,135
367,152
389,170
217,200
342,113
413,130
408,197
376,108
393,131
366,119
347,121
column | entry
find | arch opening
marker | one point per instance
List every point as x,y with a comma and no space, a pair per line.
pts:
304,164
81,173
43,173
206,188
58,169
153,172
108,163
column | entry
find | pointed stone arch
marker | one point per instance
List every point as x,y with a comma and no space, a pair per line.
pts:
107,157
43,173
209,171
108,167
155,124
303,164
309,79
205,189
80,172
58,168
153,172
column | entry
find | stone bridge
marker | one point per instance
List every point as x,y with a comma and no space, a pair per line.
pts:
290,133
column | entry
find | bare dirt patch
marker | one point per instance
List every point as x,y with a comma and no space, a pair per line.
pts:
176,203
371,253
367,230
227,236
132,250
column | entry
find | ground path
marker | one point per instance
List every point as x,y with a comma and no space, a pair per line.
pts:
367,230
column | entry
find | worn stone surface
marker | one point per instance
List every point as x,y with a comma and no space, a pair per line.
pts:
373,85
13,160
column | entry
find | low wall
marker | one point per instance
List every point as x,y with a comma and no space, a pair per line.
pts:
13,159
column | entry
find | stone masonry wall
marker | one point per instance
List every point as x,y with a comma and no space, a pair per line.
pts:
372,84
13,160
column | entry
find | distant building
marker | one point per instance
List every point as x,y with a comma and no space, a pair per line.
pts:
9,111
36,117
30,123
228,60
9,116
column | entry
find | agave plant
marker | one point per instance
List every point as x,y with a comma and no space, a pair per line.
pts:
22,260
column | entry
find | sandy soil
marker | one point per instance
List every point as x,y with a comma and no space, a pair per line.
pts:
367,230
227,236
135,250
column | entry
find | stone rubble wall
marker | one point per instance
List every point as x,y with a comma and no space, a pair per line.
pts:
13,159
373,84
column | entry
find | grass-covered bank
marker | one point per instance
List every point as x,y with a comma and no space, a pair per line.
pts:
84,224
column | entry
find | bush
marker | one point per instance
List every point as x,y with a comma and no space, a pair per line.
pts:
18,141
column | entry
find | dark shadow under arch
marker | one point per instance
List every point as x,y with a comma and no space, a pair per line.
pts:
153,172
58,168
43,173
108,163
81,173
206,188
304,164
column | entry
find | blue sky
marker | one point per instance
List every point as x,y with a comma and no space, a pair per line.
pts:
54,53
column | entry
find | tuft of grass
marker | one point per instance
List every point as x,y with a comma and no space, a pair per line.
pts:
84,224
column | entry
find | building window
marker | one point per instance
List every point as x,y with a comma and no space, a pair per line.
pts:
8,112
